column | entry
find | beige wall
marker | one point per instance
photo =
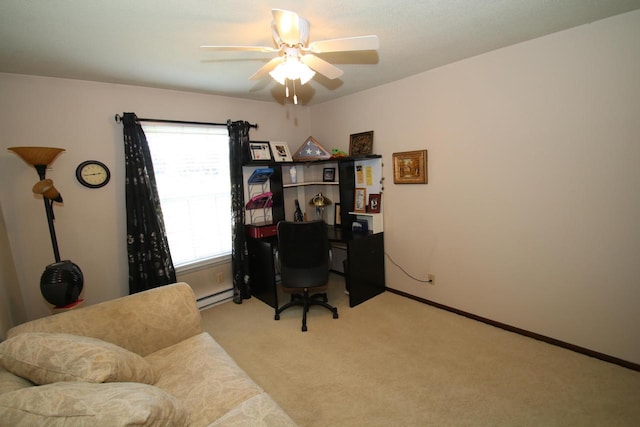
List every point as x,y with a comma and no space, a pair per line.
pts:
531,213
91,224
12,310
529,218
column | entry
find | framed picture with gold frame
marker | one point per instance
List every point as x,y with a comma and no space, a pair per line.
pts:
410,167
360,200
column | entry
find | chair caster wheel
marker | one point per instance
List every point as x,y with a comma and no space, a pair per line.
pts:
276,317
335,315
304,328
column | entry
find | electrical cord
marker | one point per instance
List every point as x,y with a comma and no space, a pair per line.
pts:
405,272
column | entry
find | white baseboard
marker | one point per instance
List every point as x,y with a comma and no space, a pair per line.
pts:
214,299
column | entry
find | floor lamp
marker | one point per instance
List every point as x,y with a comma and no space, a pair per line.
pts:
62,281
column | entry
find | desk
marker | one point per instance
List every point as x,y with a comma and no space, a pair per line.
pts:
364,267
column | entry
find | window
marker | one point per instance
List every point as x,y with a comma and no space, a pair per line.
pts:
191,165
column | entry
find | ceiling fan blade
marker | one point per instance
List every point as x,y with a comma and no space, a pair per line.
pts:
345,44
290,28
267,67
322,66
241,48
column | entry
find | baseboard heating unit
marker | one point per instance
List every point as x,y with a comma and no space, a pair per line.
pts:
214,299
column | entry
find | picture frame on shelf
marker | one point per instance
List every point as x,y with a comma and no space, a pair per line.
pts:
374,203
410,167
328,175
360,200
337,219
280,151
361,143
259,150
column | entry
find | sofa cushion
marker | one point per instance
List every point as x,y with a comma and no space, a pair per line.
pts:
46,358
260,410
10,381
83,404
203,377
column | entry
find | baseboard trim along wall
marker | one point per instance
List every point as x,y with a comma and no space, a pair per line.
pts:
549,340
214,299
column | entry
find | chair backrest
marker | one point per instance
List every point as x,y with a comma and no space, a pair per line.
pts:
303,253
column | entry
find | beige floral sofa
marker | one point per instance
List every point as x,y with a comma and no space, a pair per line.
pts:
142,359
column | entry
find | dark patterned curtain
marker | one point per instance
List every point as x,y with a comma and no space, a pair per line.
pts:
150,262
238,141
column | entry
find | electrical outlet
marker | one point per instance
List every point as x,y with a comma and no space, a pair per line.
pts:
432,279
220,277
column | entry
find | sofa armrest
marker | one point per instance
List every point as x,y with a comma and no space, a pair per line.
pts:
143,323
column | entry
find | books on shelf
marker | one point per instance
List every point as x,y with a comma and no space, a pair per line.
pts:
260,175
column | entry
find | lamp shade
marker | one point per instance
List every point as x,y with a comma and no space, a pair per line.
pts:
37,155
320,200
292,69
48,190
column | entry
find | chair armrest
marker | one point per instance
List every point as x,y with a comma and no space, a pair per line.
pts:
276,260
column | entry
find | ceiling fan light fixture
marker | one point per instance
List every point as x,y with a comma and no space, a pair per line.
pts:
292,69
296,59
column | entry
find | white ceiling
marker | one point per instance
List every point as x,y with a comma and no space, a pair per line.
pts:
156,43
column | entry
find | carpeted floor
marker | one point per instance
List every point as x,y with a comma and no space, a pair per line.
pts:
393,361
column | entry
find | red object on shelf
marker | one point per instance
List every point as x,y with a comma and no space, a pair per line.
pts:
261,231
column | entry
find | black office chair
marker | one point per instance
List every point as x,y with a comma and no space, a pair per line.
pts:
304,258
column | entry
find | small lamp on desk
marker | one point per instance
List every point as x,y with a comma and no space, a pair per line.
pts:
320,201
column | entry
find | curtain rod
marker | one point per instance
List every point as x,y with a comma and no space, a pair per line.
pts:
181,122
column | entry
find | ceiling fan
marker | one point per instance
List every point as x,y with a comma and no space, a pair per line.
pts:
296,59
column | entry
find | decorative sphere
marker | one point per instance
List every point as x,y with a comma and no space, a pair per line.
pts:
61,283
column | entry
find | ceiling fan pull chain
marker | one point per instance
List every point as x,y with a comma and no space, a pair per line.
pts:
286,88
295,97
